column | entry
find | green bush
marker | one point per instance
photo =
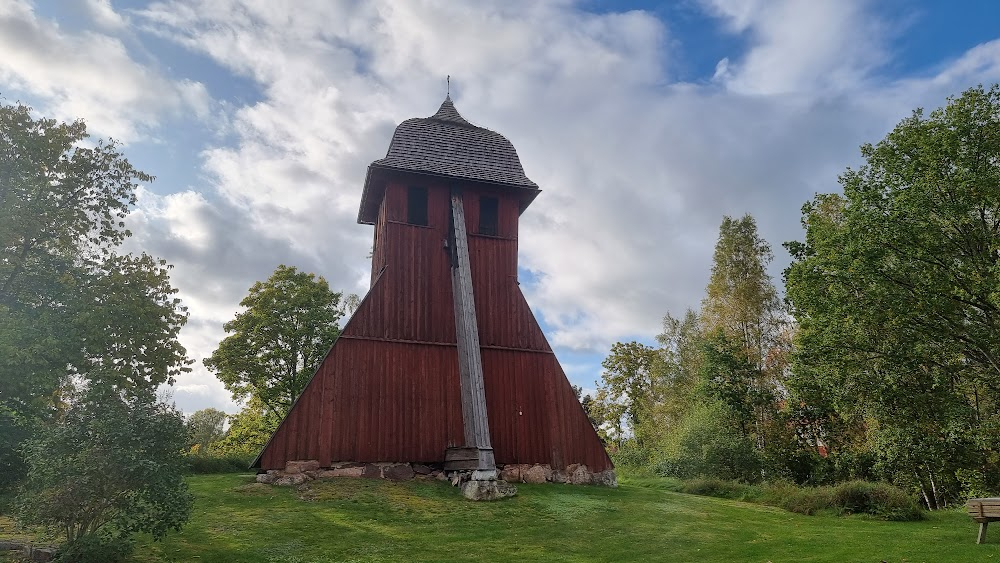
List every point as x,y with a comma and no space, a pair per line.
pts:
879,499
112,464
227,463
631,455
854,497
720,488
708,444
96,548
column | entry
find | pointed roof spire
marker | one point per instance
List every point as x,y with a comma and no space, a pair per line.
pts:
447,112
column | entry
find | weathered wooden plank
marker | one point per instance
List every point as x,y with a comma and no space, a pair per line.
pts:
452,454
470,364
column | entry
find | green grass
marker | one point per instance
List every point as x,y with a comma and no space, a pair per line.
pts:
643,520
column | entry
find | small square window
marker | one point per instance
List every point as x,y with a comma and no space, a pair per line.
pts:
488,216
416,206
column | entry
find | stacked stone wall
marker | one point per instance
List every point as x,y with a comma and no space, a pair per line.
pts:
298,472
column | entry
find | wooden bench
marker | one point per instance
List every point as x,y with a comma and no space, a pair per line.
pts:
984,511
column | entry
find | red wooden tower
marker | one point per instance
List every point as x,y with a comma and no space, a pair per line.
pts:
443,355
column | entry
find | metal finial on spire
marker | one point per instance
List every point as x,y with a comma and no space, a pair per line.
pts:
448,90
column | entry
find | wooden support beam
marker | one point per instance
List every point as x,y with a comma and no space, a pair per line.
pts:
470,363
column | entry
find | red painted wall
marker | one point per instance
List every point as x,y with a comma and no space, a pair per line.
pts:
389,388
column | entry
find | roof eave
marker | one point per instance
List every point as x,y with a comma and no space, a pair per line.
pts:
368,212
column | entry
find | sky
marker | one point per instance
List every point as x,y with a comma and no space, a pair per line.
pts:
643,122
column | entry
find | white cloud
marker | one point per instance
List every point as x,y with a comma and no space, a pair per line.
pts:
104,15
88,75
637,169
637,172
819,45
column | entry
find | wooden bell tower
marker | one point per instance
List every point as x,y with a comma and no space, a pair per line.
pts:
443,361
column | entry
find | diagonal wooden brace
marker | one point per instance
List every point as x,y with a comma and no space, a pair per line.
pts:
470,363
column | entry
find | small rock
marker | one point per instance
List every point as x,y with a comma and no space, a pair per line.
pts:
293,479
511,473
267,478
440,475
399,472
537,474
10,545
421,469
488,490
372,471
580,475
559,476
301,466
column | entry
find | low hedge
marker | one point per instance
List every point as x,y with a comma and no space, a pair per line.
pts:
208,463
881,500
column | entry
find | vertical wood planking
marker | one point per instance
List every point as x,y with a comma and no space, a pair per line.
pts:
389,389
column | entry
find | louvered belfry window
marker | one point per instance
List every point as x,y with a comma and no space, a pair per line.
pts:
488,216
416,206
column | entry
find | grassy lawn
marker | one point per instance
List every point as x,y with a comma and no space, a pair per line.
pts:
361,520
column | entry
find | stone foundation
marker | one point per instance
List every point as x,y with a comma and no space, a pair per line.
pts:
298,472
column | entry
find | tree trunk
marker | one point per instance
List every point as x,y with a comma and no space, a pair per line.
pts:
937,496
923,491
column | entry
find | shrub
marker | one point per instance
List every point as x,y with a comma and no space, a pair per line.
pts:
708,444
855,497
720,488
111,467
631,455
96,548
228,463
879,499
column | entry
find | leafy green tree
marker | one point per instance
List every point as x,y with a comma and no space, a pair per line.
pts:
71,306
112,466
894,290
745,327
277,342
630,388
707,443
205,428
249,430
681,348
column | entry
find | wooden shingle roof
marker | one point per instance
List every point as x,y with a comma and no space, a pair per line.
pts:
446,145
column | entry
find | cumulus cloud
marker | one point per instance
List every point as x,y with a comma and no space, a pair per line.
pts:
215,260
88,75
637,168
821,45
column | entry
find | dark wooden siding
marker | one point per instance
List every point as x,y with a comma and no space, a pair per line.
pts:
389,388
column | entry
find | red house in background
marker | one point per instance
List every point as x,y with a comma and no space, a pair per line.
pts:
443,361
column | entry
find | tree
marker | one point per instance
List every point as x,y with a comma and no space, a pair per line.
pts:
277,342
745,328
629,390
894,290
587,402
681,348
71,306
249,430
205,428
112,466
